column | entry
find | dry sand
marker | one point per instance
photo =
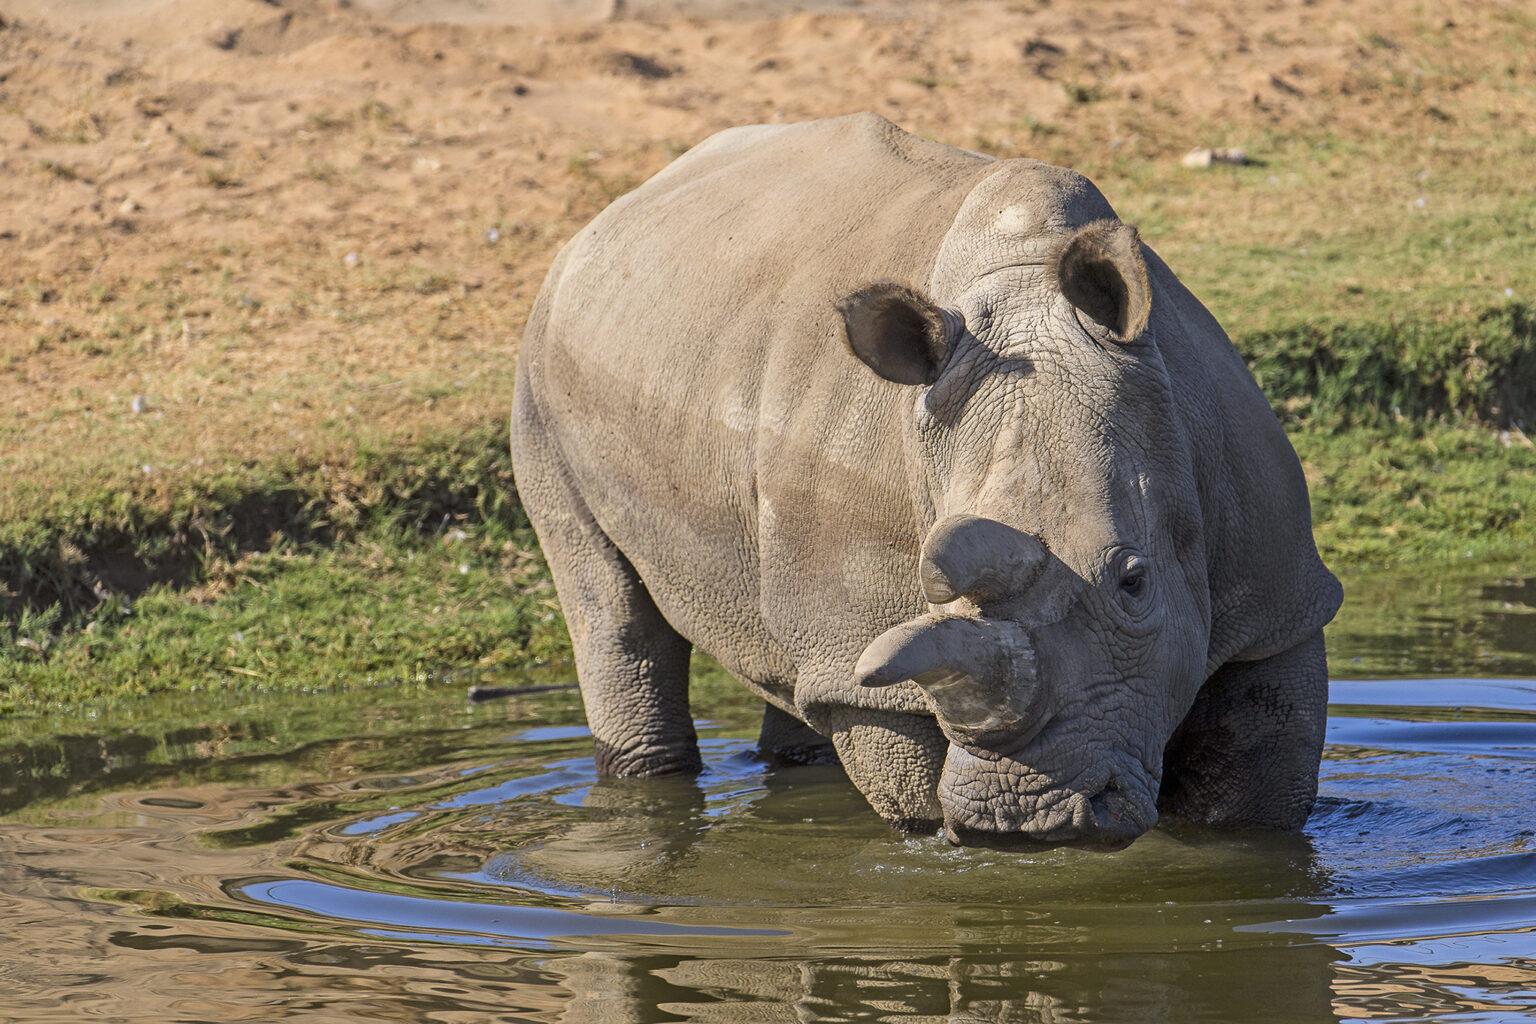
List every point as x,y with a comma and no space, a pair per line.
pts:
240,230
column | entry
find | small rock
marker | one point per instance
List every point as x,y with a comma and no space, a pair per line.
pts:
350,259
1202,157
152,106
138,405
638,65
493,235
128,207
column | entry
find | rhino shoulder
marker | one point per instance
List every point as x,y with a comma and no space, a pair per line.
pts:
1269,588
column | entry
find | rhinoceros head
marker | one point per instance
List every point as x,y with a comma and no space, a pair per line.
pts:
1069,610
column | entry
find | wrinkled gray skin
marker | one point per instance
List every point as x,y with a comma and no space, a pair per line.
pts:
935,456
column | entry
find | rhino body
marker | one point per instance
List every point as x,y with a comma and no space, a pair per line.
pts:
945,465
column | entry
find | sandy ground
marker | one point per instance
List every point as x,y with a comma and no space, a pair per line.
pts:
244,230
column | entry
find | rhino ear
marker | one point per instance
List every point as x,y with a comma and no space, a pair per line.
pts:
896,332
1100,270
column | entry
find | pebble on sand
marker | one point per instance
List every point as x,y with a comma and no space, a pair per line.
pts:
1202,157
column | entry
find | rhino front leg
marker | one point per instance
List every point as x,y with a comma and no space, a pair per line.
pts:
895,760
1248,752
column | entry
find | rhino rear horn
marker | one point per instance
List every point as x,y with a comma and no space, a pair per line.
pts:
983,559
979,673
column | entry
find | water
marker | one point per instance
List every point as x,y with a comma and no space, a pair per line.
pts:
402,856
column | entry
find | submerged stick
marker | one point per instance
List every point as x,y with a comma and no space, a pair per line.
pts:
481,694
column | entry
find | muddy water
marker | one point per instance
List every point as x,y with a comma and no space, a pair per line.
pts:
394,856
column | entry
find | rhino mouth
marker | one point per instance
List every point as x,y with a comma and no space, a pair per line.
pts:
995,801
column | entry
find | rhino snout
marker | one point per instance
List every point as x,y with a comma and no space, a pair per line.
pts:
996,801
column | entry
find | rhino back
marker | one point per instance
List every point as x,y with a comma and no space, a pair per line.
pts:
688,364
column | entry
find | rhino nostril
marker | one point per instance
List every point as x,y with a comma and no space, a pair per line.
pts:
1112,810
1103,796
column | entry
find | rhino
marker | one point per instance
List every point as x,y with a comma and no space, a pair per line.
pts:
939,459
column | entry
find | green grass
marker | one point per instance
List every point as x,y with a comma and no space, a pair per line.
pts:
1479,369
1410,493
386,607
69,554
399,567
1336,229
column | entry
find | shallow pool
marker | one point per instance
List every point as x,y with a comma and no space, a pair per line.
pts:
403,856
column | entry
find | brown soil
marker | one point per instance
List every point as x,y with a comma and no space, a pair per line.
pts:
234,231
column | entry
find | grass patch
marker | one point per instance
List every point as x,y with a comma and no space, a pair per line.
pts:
1410,493
1334,228
68,560
389,606
1480,368
220,177
61,171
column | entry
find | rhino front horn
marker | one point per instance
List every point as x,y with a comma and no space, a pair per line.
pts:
979,673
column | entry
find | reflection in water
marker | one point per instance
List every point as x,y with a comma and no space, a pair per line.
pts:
1471,620
407,858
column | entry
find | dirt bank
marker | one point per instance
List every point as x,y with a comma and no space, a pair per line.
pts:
239,231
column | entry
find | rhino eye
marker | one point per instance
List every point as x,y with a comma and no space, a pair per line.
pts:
1133,579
